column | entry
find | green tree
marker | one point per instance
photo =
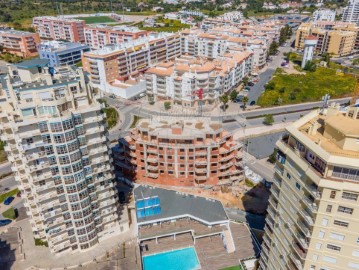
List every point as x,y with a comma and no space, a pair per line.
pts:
355,62
273,48
326,58
273,157
245,80
233,95
310,66
224,99
270,86
268,120
245,101
167,105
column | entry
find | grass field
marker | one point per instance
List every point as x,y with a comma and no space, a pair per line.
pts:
10,213
294,88
97,19
8,194
236,267
169,26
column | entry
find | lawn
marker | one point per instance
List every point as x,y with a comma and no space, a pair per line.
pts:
8,194
135,120
10,213
3,156
168,26
235,267
111,116
295,88
97,19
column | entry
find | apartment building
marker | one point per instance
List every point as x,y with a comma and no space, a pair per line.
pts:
180,152
324,15
336,38
181,79
313,214
351,12
61,53
20,43
97,36
60,28
56,141
113,64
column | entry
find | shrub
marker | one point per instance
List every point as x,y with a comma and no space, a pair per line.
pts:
10,213
268,120
282,90
167,105
39,242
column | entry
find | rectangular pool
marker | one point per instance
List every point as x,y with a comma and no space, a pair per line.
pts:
180,259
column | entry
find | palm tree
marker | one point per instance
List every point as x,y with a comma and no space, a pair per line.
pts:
245,100
224,99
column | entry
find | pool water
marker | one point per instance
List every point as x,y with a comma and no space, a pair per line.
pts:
181,259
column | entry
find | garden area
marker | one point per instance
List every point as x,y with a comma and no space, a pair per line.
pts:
111,114
312,86
236,267
97,19
8,194
3,156
165,25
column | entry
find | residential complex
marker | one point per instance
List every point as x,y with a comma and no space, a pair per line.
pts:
60,28
97,36
180,152
20,43
182,78
351,12
324,15
113,65
55,136
312,220
61,53
336,38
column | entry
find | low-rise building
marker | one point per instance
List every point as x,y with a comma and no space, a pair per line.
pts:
60,28
20,43
180,152
180,80
61,53
324,15
97,36
114,64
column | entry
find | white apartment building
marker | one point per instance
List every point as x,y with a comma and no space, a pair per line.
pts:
351,12
56,141
326,15
193,81
313,214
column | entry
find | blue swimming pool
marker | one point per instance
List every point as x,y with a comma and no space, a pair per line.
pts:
181,259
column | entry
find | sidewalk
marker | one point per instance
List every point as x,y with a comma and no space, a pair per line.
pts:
242,133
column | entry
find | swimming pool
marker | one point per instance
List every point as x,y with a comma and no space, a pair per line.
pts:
180,259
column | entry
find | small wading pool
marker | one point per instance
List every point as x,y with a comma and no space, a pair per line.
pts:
180,259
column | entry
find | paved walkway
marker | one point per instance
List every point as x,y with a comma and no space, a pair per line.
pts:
243,133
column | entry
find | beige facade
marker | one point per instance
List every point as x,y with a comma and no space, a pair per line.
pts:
56,141
313,214
337,38
20,43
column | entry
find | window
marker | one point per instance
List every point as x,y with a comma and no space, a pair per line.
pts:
61,149
59,138
341,223
43,127
321,234
56,127
337,236
297,185
66,170
332,194
318,245
68,124
329,208
333,247
346,210
329,259
288,176
325,222
350,196
353,265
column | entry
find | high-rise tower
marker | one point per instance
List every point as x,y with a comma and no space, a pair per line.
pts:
309,46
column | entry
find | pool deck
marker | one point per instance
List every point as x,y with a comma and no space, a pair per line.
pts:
210,250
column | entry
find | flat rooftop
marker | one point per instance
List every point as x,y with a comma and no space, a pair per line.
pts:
175,204
59,46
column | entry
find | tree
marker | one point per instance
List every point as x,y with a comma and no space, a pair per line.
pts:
273,48
326,58
233,95
310,66
273,157
355,62
268,120
224,99
244,101
245,80
167,105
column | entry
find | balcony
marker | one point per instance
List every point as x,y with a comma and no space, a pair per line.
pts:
200,178
200,170
152,175
152,151
226,158
303,228
277,182
226,166
301,253
152,168
275,192
310,204
201,162
306,216
296,261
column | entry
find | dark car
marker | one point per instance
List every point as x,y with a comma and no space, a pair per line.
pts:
122,197
250,84
18,194
8,200
247,88
4,222
252,103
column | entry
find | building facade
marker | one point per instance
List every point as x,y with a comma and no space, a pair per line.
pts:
312,221
55,136
337,38
59,28
114,64
324,15
97,36
179,152
309,46
20,43
351,12
62,53
180,80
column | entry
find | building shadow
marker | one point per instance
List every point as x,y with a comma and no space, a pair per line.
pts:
9,247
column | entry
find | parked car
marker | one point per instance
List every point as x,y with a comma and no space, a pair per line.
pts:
142,95
4,222
112,96
252,103
250,84
8,200
247,88
237,100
